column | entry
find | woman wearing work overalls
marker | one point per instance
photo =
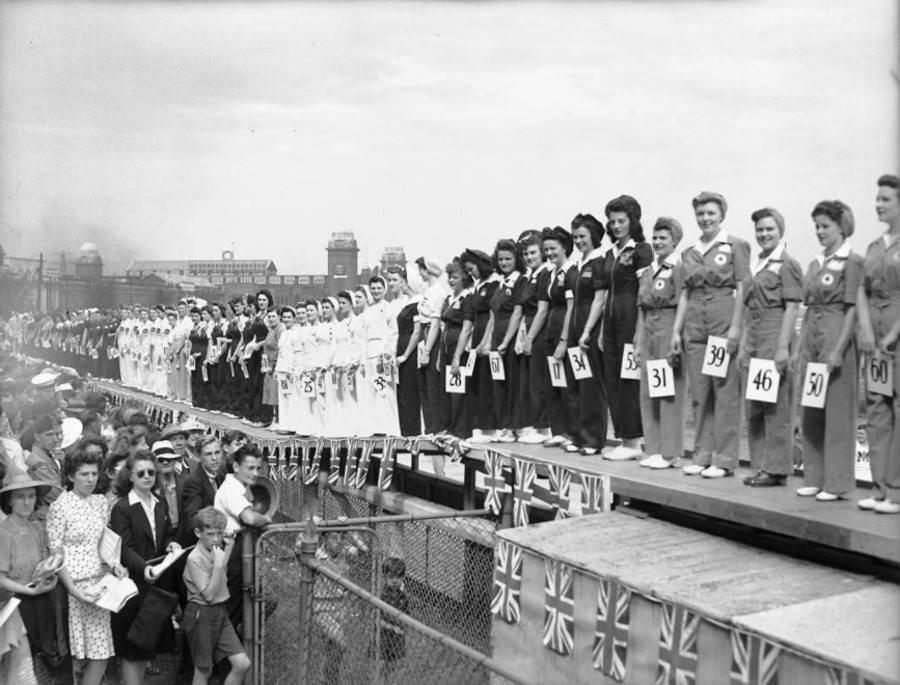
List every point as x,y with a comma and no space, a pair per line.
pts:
713,272
772,301
879,312
830,292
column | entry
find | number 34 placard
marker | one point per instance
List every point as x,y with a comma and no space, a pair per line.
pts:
716,358
763,380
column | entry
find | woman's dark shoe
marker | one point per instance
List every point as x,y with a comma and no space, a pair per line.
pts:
765,480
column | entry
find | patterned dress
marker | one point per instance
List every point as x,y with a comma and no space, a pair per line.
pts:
75,525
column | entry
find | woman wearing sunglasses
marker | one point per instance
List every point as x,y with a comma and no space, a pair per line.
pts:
141,518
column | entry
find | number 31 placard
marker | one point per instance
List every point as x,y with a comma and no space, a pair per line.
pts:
763,380
716,358
660,379
815,385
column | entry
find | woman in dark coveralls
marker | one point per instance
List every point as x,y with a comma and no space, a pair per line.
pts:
253,351
199,341
455,332
506,314
409,332
233,375
245,403
630,254
588,403
218,367
479,393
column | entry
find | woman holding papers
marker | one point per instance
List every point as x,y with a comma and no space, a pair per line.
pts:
141,518
75,524
708,329
771,302
659,290
830,291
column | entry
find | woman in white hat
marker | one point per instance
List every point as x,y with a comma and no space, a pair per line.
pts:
345,361
284,373
363,392
328,371
380,332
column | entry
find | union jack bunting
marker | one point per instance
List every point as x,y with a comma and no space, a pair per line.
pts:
275,469
754,661
334,469
507,581
838,676
349,478
611,636
362,466
677,646
386,469
302,458
560,484
494,481
523,492
291,471
559,607
594,493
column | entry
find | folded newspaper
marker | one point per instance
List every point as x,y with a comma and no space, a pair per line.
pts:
114,592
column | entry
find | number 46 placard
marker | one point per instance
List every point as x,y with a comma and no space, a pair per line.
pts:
763,380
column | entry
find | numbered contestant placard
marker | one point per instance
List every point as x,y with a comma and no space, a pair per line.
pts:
630,370
498,373
470,363
879,372
716,357
455,382
815,385
581,367
660,378
557,372
763,380
308,386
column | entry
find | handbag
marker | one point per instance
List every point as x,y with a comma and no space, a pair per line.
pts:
155,613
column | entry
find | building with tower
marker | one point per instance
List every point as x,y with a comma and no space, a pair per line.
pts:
343,262
393,256
89,264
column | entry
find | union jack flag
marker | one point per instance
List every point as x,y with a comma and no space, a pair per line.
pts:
275,469
386,469
362,466
334,461
838,676
594,493
351,462
559,607
677,646
303,457
507,581
560,484
289,472
754,661
494,481
523,492
611,635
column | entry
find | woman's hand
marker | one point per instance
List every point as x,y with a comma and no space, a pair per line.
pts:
676,347
637,345
583,341
526,346
865,340
560,351
401,359
783,361
502,348
482,350
835,361
173,547
454,366
86,596
743,360
119,571
887,344
733,339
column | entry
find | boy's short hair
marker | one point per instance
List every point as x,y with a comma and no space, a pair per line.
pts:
209,518
394,567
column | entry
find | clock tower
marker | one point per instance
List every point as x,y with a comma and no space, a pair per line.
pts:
343,258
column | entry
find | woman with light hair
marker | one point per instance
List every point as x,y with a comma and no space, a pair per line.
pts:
380,333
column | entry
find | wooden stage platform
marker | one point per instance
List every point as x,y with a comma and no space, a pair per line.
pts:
814,622
837,526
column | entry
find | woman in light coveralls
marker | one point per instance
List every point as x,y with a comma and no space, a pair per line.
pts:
879,313
713,272
830,291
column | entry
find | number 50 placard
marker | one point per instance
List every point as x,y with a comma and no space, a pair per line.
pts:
815,386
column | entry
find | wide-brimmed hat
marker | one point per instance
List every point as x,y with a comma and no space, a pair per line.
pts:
265,496
45,379
19,480
72,429
192,425
162,449
171,431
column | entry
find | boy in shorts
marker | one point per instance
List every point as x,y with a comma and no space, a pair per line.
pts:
209,632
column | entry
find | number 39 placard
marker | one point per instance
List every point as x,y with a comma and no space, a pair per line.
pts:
763,380
815,385
630,370
716,358
660,379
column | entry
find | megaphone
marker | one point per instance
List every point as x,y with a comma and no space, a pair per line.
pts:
265,496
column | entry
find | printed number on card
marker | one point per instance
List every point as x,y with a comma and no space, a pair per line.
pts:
879,372
815,385
308,387
763,380
716,357
660,378
497,371
557,372
581,366
470,363
631,370
455,382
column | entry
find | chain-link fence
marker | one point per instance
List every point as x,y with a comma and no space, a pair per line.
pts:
435,570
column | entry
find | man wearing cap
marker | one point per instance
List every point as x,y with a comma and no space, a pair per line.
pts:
170,481
194,432
177,437
42,464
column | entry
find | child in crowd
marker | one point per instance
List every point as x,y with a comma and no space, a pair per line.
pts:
209,632
393,637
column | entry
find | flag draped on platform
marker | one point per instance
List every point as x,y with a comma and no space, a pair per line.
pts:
595,493
523,493
560,484
494,482
677,646
754,660
366,447
310,455
838,676
611,636
507,581
334,462
386,469
559,607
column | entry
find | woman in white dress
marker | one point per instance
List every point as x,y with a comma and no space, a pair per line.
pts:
304,420
380,329
142,349
313,368
284,374
329,372
363,392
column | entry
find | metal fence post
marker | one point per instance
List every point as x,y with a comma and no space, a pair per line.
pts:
309,542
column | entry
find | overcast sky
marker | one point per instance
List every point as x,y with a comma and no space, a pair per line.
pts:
175,130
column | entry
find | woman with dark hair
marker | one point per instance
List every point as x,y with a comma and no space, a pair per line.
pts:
772,301
363,391
558,300
830,292
479,391
243,357
333,424
456,331
431,385
346,362
75,525
589,401
285,373
217,358
380,333
141,518
233,376
199,341
630,254
255,333
409,332
505,318
269,358
879,313
712,303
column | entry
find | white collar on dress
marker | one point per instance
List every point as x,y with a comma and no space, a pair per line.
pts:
760,263
841,253
583,259
134,498
721,237
669,262
888,239
616,251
